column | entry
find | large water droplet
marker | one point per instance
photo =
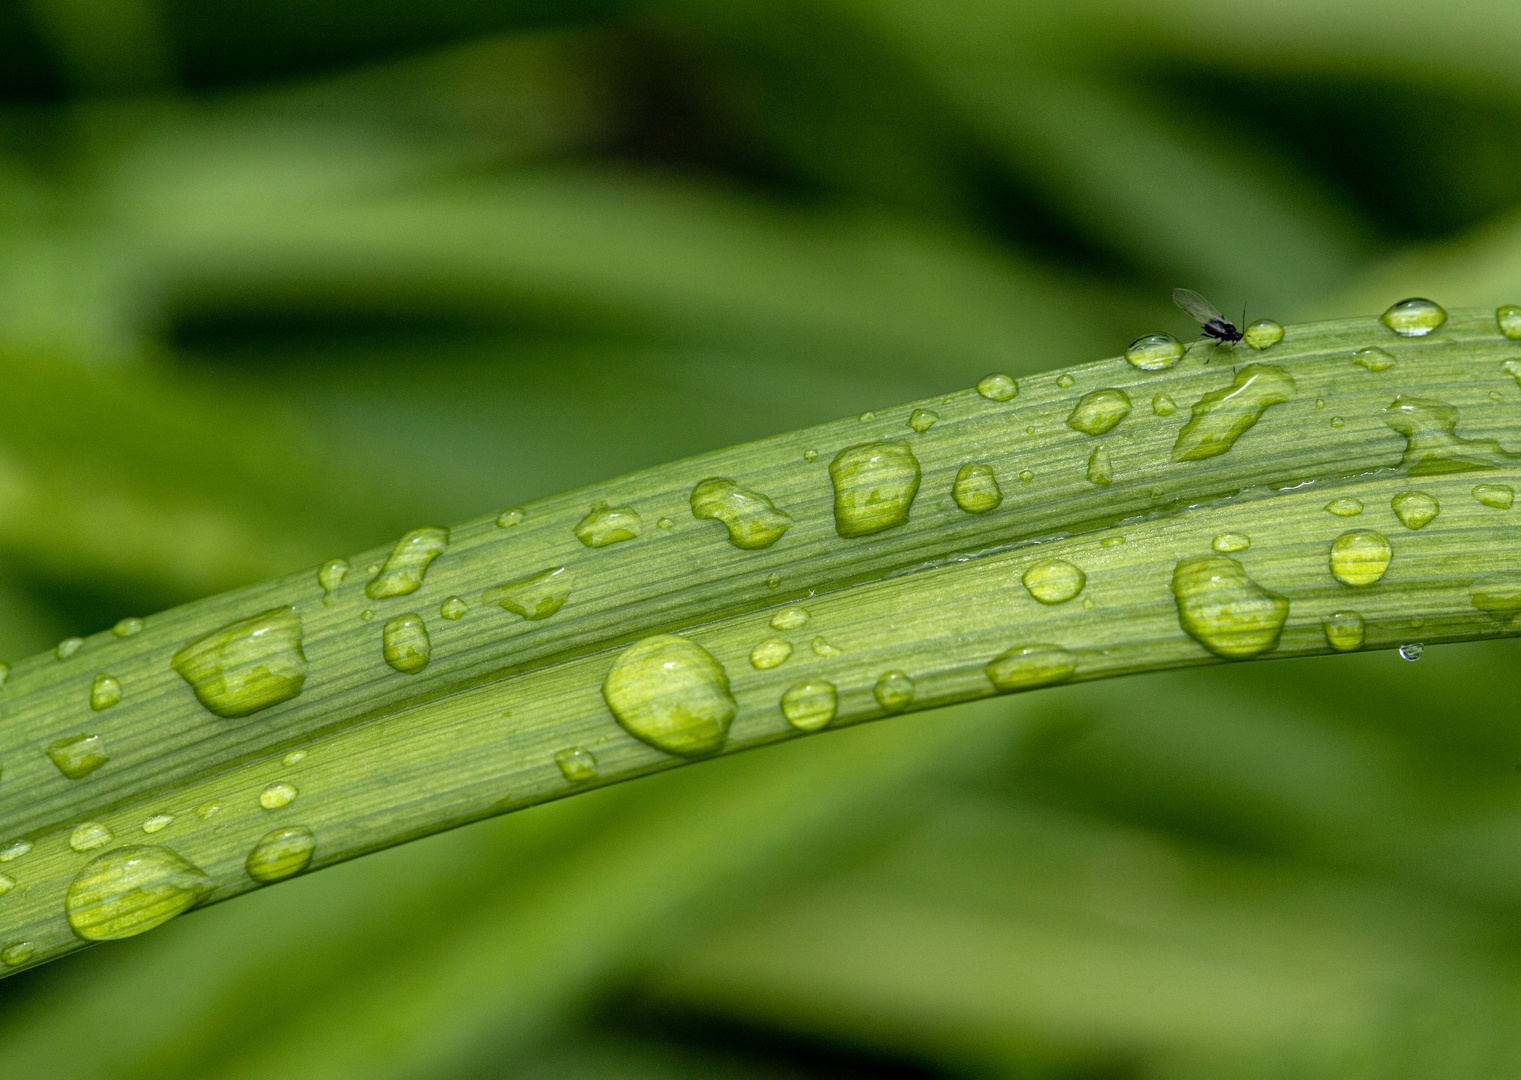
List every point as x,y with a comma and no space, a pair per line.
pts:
752,519
277,795
894,691
1500,496
405,643
1415,317
1432,446
1263,334
921,420
246,665
789,618
1346,506
576,765
1360,557
874,487
281,854
67,647
1498,595
1162,405
1344,630
408,562
104,692
1054,581
1228,542
77,756
976,489
1154,352
1415,509
770,653
130,890
537,596
606,525
1100,468
16,953
997,387
89,836
128,626
1508,319
1099,411
672,694
1412,651
1027,666
1224,610
330,575
1221,417
809,706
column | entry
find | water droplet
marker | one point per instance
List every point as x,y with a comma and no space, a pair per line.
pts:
1099,411
157,822
1344,630
606,525
769,653
330,575
921,420
408,562
508,518
789,618
1336,421
67,647
537,596
1030,430
1228,542
809,706
281,854
452,608
405,643
1360,558
894,691
246,665
998,387
773,581
822,647
206,809
1100,468
1029,666
366,615
874,487
1064,381
1497,595
105,692
752,519
1162,405
1373,359
1263,334
1087,603
1054,581
576,765
128,626
1110,541
1432,446
1495,395
1412,651
1154,352
77,756
1508,319
7,883
89,836
865,416
1221,417
1224,610
976,489
14,850
5,673
1346,506
1415,509
16,953
1320,403
277,795
672,694
1415,317
810,455
1500,496
664,523
1026,476
131,890
293,757
1157,493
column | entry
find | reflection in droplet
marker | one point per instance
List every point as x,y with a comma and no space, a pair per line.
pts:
132,890
1100,468
1344,630
1028,666
1054,581
1228,542
576,765
1412,651
408,563
281,854
976,489
1098,412
1153,352
77,756
672,694
1432,446
752,520
997,387
894,691
1373,359
1415,317
1499,496
1415,509
606,525
247,665
1221,417
809,706
1263,334
405,643
1224,610
277,795
537,596
89,836
1346,506
874,487
1497,595
1360,557
104,692
770,653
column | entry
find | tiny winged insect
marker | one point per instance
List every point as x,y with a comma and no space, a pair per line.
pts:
1208,316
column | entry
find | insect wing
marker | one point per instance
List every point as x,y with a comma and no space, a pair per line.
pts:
1198,308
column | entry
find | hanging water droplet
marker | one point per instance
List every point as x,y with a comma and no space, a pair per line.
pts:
157,822
452,608
1415,509
1373,359
1162,405
976,489
874,487
508,518
672,694
293,757
128,626
1098,412
1153,352
894,691
606,525
1221,417
278,794
1064,381
1026,476
1497,595
1346,506
809,706
1415,317
408,563
769,653
1054,582
576,765
1360,558
405,643
67,647
537,596
1100,468
104,692
14,850
998,387
1499,496
89,836
752,519
1228,542
16,953
131,890
821,647
1344,630
1224,610
281,854
921,420
206,809
1432,446
773,581
77,756
1028,666
789,618
1412,651
810,455
1263,334
247,665
330,575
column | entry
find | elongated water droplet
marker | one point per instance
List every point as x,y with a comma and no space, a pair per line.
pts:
508,518
1153,352
281,854
104,692
67,647
247,665
1228,542
278,794
1100,468
206,809
89,836
1344,630
131,890
330,575
1028,666
128,626
1373,359
1162,405
16,953
14,850
976,489
1497,595
1412,651
998,387
606,525
894,691
1432,446
452,608
1415,509
1054,581
408,563
808,706
789,618
157,822
77,756
1221,417
821,647
1500,496
1099,411
1064,381
576,765
1346,506
1263,334
752,519
874,487
1508,319
405,643
1360,557
1415,317
1224,610
293,757
672,694
770,653
921,420
537,596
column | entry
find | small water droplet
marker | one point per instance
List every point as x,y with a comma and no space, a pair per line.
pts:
751,518
1508,319
1415,509
1153,352
1228,542
206,809
1064,381
664,523
372,569
773,581
1499,496
1360,557
576,765
1337,421
131,890
822,647
366,615
1030,430
1497,595
14,850
281,854
1157,493
157,822
1495,395
1432,446
606,525
277,795
1087,603
789,618
105,692
508,518
1110,541
874,487
77,756
452,608
1099,411
247,665
16,953
1320,403
672,694
1221,417
894,691
537,596
976,489
89,836
1162,405
810,455
1373,359
408,563
67,647
1100,468
330,575
998,387
809,706
293,757
1054,581
1224,610
1346,506
769,653
1028,666
7,883
1026,476
128,626
405,643
921,420
1344,630
1263,334
1415,317
1412,651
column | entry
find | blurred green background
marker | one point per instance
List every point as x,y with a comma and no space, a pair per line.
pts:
280,280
